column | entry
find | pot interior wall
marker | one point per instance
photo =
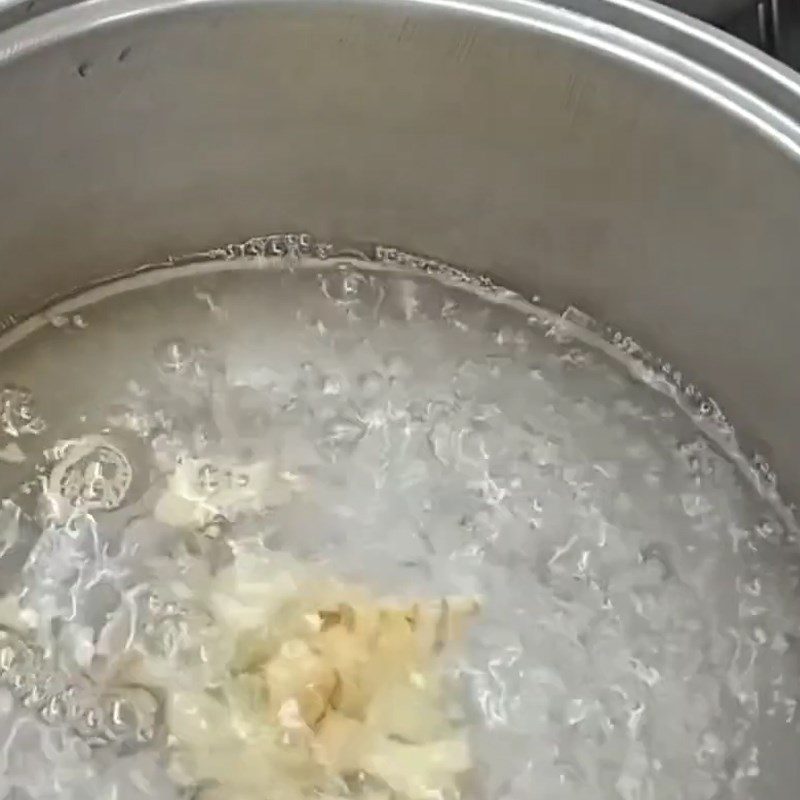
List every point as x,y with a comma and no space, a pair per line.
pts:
560,167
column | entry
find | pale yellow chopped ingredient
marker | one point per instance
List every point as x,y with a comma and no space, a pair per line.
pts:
316,688
201,489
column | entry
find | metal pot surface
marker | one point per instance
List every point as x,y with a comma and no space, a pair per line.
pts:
604,153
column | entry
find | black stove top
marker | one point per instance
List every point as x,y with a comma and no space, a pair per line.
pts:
771,25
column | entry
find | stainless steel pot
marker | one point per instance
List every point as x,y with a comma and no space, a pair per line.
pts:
602,153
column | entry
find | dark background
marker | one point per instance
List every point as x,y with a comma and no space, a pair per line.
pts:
771,25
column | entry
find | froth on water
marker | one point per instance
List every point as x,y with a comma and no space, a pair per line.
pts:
639,626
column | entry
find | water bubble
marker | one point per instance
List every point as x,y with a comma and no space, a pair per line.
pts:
58,320
769,529
92,473
331,385
208,478
344,286
576,357
17,415
54,710
343,432
699,458
15,655
174,356
131,715
695,505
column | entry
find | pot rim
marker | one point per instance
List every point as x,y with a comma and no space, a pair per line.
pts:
736,77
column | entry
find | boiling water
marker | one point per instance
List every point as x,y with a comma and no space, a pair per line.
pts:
639,630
